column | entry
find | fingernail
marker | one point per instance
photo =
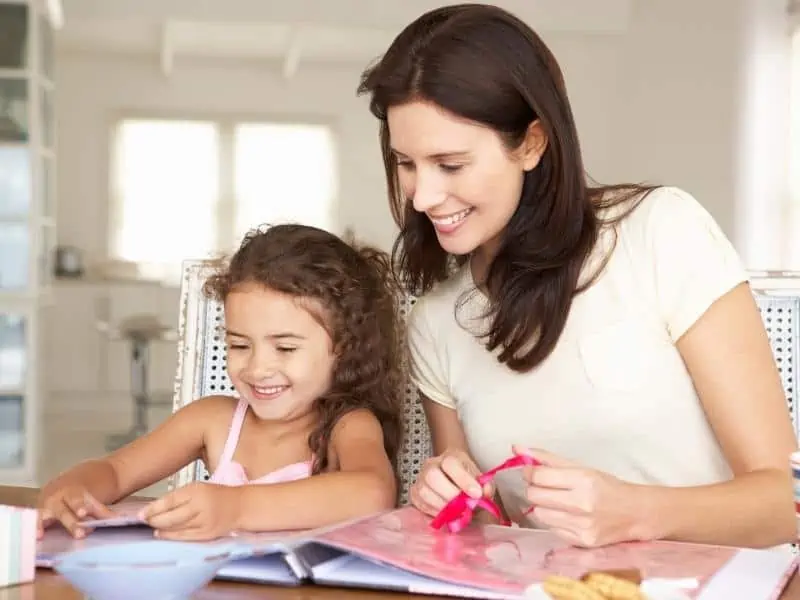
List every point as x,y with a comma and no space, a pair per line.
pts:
156,533
475,492
81,512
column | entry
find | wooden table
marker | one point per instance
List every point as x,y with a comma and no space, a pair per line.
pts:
51,586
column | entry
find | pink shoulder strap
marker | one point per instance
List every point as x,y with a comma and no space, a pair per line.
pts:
233,433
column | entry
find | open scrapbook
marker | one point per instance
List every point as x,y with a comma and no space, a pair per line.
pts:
398,550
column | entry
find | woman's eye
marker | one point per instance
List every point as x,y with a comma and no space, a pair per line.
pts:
237,347
450,168
286,348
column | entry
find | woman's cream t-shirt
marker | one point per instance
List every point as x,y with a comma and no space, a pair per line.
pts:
614,394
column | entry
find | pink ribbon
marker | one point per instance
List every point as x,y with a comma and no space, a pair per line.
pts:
457,514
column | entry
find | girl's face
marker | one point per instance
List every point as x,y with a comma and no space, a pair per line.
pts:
280,358
459,173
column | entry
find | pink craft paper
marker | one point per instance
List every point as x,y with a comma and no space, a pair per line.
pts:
458,513
17,544
28,549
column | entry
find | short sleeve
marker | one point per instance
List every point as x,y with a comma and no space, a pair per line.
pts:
427,370
694,262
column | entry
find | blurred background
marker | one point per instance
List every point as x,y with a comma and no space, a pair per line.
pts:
137,133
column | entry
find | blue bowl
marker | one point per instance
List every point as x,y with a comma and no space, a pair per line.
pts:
152,569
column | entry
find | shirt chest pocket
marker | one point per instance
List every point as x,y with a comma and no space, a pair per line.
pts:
623,356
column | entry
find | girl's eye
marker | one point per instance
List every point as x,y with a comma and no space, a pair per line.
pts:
237,347
286,348
450,168
405,164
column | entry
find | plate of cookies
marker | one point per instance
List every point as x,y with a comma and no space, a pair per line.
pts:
610,585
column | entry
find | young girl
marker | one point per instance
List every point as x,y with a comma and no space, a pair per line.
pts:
311,334
608,330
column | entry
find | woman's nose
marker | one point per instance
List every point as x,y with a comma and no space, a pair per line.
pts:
428,194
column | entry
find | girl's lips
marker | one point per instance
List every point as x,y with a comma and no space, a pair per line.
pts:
267,392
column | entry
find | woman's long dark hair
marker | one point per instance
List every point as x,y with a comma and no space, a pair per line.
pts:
483,64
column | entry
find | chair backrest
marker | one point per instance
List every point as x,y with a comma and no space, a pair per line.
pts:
201,359
201,372
778,297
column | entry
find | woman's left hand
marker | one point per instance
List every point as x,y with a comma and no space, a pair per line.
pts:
197,511
583,506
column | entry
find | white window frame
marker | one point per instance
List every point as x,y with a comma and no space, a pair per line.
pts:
227,240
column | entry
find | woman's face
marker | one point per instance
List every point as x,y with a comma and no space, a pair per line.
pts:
459,173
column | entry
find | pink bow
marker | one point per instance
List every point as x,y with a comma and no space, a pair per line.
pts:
457,513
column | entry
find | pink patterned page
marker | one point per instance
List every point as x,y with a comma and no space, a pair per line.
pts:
509,560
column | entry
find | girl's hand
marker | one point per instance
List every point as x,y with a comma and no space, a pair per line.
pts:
197,511
443,477
69,505
583,506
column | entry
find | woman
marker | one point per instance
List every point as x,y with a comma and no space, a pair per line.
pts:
608,331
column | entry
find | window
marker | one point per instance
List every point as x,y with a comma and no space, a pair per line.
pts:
282,173
191,189
167,189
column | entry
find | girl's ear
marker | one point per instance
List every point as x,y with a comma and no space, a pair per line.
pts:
533,146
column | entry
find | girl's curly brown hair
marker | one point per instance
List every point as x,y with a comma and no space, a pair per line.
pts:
359,297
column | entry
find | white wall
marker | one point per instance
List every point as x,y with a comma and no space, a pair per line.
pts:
704,104
694,103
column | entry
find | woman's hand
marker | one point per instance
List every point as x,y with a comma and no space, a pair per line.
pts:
583,506
197,511
443,477
69,505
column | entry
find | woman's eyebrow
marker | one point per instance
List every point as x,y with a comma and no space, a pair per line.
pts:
436,155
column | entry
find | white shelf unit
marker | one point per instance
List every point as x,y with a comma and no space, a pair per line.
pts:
27,225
